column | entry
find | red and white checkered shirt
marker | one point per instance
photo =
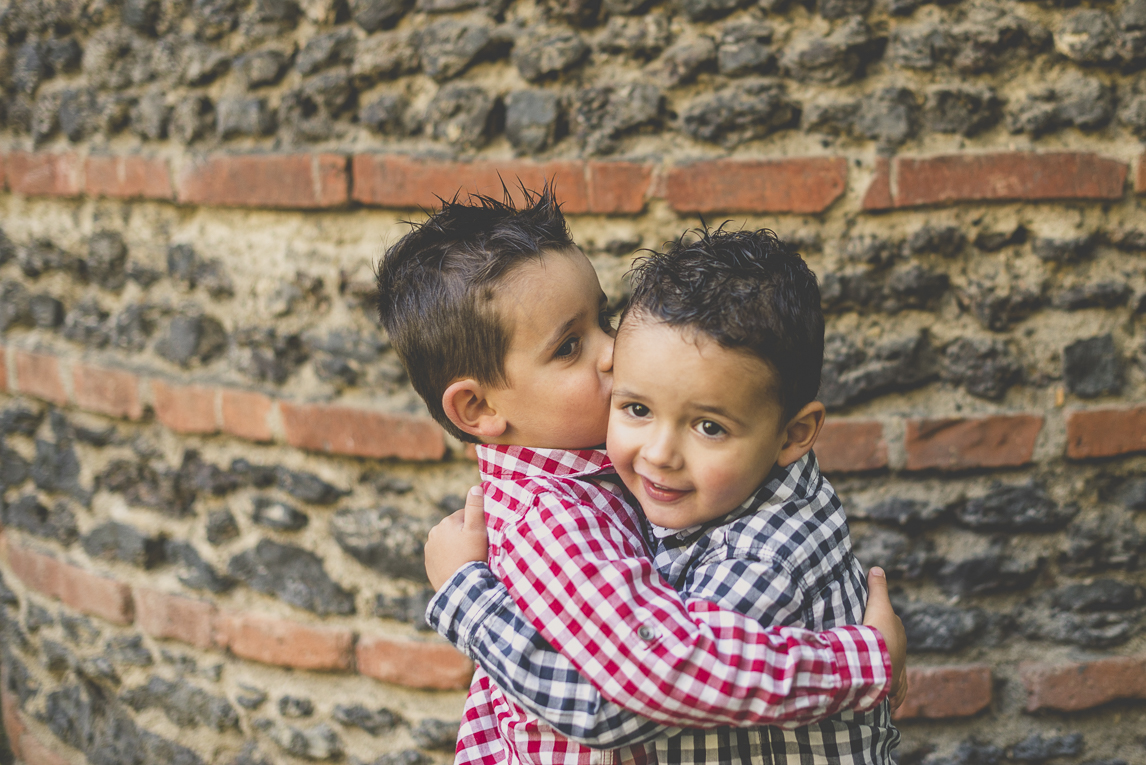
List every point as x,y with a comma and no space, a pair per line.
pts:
572,555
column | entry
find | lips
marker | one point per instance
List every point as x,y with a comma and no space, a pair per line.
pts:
659,493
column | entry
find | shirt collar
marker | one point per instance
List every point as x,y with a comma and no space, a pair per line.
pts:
801,479
499,461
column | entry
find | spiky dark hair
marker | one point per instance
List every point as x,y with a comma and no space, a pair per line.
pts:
437,283
746,290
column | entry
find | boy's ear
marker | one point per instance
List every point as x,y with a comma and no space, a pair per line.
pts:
801,433
467,406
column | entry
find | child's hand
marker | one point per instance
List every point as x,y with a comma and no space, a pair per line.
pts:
457,540
879,614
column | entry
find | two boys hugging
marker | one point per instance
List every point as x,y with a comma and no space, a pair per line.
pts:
688,595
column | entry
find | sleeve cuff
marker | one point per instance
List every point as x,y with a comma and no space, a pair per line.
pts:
465,603
864,665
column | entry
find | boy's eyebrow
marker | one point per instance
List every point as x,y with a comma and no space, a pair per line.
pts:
720,412
556,337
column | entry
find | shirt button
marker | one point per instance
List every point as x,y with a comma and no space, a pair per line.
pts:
645,632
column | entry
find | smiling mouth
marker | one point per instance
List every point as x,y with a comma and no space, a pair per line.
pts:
660,493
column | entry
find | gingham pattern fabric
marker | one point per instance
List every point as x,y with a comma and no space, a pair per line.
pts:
573,551
783,557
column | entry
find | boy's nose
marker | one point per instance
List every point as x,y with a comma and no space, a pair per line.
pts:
660,451
605,362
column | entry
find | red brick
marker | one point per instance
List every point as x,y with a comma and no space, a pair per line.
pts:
1071,687
795,185
13,725
36,570
245,415
1105,432
878,195
850,447
1140,176
161,615
361,432
3,170
106,391
130,177
952,691
184,408
96,595
36,752
273,640
618,187
398,180
52,175
437,666
998,177
959,444
291,181
39,375
3,368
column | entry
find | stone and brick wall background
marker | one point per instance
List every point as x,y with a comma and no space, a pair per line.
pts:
215,476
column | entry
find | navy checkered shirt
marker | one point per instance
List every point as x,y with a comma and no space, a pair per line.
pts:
783,557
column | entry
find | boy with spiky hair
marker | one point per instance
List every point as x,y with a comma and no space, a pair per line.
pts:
503,326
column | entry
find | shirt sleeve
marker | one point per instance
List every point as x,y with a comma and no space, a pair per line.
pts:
583,588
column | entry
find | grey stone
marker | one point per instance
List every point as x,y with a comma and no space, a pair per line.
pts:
149,116
278,515
1023,508
374,722
994,571
1096,596
77,113
1132,493
327,50
386,114
744,49
947,241
254,475
342,372
903,512
383,539
262,67
15,306
7,249
202,64
384,56
624,7
57,658
1107,541
1074,101
41,256
838,9
132,328
963,110
57,469
87,324
192,118
895,552
251,697
997,309
707,10
985,368
20,419
448,47
79,630
373,15
191,338
264,354
28,67
933,628
164,490
37,617
193,571
1091,367
604,115
141,15
435,735
330,89
46,116
410,608
889,115
913,287
970,752
244,117
270,18
683,60
205,477
642,37
107,254
118,541
1132,114
991,37
129,649
1035,748
460,115
839,57
221,527
531,119
184,704
1087,36
14,469
1105,294
853,373
292,574
319,742
921,46
543,56
444,6
215,18
741,112
58,523
295,706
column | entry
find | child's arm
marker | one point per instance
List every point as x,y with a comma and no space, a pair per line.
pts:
799,676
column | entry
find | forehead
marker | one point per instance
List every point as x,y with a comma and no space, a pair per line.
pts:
554,286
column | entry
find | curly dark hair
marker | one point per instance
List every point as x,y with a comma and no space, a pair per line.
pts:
746,290
437,283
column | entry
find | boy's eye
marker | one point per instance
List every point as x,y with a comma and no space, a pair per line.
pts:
568,348
710,428
637,410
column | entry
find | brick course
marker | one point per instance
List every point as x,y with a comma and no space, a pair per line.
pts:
1083,685
944,692
962,444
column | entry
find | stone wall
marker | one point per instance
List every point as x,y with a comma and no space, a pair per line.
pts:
216,478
